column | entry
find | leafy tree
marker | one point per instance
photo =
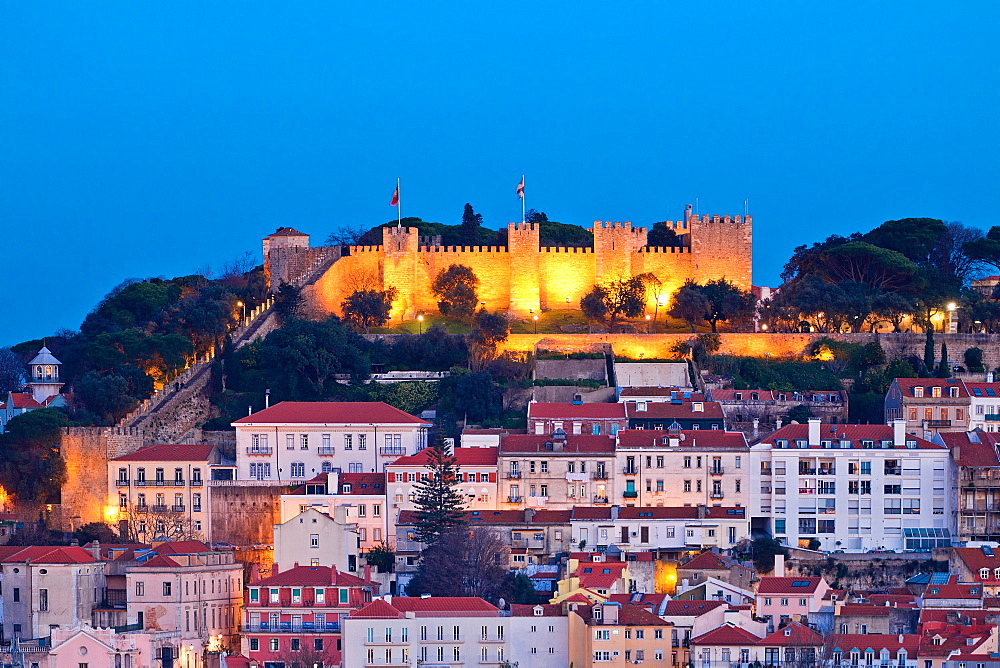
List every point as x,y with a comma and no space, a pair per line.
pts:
472,397
973,358
288,301
987,249
624,297
726,302
879,268
455,288
439,506
471,222
382,557
12,371
97,531
689,304
368,308
535,216
519,588
434,350
763,550
108,396
662,236
488,331
914,238
31,467
800,414
465,562
593,305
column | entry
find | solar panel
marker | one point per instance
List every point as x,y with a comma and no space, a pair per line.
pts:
976,391
987,550
939,578
801,583
991,392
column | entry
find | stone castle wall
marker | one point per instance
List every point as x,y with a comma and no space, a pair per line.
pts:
87,451
524,277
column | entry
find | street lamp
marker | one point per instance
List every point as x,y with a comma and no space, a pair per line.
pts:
244,307
420,320
656,309
535,319
647,323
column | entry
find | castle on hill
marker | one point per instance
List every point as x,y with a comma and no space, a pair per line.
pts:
520,278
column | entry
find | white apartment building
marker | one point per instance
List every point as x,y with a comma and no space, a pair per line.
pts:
675,529
362,495
317,537
984,410
682,468
405,631
296,440
161,487
851,487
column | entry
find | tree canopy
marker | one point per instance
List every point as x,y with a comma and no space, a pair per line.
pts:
455,288
439,505
31,467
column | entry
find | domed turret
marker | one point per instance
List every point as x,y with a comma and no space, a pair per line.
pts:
44,370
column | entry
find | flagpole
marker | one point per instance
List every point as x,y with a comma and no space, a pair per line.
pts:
399,206
522,199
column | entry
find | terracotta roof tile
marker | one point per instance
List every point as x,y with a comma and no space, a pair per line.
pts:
539,410
572,443
852,432
168,453
689,438
981,452
465,457
666,410
793,634
330,412
782,585
690,608
876,641
362,483
727,634
312,576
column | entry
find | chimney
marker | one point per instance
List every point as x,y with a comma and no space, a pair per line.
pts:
255,572
529,515
956,453
814,431
614,512
95,549
610,615
779,423
899,432
274,568
756,427
701,511
779,566
368,572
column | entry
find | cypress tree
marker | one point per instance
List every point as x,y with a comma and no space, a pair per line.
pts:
471,222
438,501
929,349
943,371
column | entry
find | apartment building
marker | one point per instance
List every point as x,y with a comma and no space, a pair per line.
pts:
928,405
404,631
188,588
477,477
543,635
42,588
162,490
976,485
682,468
556,472
362,495
984,406
297,615
679,413
575,418
318,537
672,530
853,487
744,408
613,634
783,599
295,440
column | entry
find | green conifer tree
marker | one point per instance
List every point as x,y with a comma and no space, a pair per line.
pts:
438,501
929,349
943,370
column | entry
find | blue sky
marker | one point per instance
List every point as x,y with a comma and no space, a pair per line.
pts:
143,139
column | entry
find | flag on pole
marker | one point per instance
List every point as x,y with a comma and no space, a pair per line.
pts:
395,196
520,188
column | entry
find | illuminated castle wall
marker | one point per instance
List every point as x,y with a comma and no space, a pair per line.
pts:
523,276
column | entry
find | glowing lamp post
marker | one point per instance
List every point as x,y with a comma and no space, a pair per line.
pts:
952,323
648,323
420,320
534,318
244,307
656,309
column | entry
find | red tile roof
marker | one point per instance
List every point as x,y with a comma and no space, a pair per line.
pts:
727,634
527,610
312,576
571,444
894,600
23,400
160,561
707,561
794,634
445,606
666,410
537,410
41,554
865,610
690,608
906,386
378,609
965,615
500,517
689,438
628,615
330,412
975,560
362,483
168,453
287,232
181,547
682,512
981,452
953,589
781,585
852,432
465,457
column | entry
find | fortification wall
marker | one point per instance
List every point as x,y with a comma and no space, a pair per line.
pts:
291,263
245,514
566,275
722,247
491,264
87,451
359,269
672,265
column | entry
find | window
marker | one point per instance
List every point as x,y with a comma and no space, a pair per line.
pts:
687,485
348,441
140,590
314,540
289,441
166,588
298,470
273,644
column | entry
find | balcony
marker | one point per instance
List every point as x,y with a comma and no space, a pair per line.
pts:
513,475
938,423
196,482
630,470
513,499
765,470
326,450
599,475
807,471
177,508
260,450
289,627
393,450
600,499
158,509
893,471
630,494
174,483
121,482
992,417
717,495
828,471
717,470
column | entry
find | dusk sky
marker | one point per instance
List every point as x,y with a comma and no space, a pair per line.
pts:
158,139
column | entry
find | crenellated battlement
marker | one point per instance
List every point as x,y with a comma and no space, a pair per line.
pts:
399,231
523,227
462,249
355,250
567,249
665,249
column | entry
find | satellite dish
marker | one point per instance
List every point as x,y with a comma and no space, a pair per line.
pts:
501,603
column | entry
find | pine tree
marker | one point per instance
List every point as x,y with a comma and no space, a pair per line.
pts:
438,502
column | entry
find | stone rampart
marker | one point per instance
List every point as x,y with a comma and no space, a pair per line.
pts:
244,513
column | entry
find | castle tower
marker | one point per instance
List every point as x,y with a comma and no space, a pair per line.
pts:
283,237
44,369
722,247
522,247
614,247
399,269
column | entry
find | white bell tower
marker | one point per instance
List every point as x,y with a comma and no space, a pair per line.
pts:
44,370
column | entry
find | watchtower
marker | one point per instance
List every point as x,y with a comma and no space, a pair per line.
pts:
615,243
399,268
522,245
